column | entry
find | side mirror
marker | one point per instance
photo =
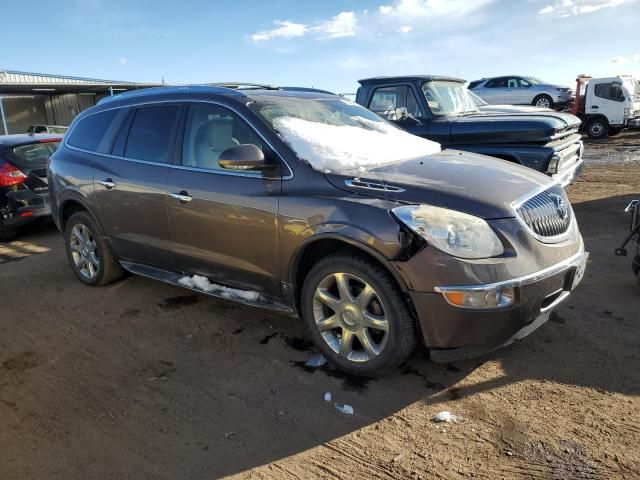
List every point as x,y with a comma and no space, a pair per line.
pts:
244,157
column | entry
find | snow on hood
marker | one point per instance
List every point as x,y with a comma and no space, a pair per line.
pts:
344,148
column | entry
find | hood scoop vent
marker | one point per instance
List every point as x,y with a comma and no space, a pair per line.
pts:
376,185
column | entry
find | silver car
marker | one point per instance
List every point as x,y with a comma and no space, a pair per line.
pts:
516,90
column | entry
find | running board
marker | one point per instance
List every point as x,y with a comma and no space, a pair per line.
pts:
172,278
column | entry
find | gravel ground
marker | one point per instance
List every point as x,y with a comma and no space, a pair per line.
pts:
143,380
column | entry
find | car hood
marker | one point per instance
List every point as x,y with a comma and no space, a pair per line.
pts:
511,127
476,184
512,109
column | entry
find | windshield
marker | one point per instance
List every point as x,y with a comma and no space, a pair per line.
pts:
535,81
448,98
337,135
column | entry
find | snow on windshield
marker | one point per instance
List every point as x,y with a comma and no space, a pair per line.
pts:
358,145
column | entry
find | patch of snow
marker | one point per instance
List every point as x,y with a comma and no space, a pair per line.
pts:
202,283
316,361
345,409
344,148
444,417
327,397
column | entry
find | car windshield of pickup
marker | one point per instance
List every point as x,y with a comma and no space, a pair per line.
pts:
448,98
333,134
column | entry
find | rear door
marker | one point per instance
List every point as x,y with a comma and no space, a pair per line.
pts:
223,222
131,185
493,91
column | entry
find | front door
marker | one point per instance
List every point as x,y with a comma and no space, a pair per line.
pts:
131,186
608,99
223,222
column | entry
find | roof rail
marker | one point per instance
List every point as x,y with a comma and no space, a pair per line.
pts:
209,88
244,85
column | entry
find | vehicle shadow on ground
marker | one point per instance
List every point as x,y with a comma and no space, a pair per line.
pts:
592,339
148,380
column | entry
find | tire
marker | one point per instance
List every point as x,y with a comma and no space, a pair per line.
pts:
597,128
387,349
542,101
88,251
6,234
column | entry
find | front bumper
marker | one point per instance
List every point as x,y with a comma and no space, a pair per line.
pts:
454,333
569,174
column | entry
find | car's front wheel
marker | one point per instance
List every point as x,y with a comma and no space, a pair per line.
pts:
356,315
543,101
88,251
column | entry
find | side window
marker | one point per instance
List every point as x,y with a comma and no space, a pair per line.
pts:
90,130
152,134
610,91
513,83
385,100
497,83
209,131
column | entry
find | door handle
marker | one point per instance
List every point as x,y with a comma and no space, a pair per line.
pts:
108,183
594,106
183,196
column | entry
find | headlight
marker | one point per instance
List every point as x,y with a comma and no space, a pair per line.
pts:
453,232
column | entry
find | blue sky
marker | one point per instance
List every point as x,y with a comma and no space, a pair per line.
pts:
326,44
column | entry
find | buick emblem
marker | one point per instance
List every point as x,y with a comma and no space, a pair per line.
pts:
562,209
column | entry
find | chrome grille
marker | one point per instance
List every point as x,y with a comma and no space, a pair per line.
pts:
547,214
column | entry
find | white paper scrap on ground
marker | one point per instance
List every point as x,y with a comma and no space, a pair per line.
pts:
327,397
202,283
444,417
316,361
345,409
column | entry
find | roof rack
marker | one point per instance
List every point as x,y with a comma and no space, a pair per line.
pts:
244,85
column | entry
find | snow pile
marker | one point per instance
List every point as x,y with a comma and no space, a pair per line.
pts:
202,283
444,417
345,409
343,148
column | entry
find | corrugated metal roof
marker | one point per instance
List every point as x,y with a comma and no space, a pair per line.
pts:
29,78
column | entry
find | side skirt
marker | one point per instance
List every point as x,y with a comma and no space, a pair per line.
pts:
172,278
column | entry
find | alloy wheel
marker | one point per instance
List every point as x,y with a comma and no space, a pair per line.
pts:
84,251
350,316
543,102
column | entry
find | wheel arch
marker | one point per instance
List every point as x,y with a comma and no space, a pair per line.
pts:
319,246
68,207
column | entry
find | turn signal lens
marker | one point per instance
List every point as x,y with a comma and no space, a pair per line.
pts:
491,298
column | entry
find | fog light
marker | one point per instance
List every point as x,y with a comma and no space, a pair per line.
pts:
492,298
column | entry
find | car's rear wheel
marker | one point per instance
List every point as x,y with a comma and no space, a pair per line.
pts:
598,128
543,101
88,251
356,315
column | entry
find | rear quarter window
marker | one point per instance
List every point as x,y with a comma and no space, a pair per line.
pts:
475,83
90,130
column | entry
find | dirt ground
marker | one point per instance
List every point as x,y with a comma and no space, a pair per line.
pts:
142,380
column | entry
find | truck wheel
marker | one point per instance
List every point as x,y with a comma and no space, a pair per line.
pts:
543,101
89,252
598,128
356,315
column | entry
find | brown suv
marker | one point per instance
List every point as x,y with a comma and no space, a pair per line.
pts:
311,205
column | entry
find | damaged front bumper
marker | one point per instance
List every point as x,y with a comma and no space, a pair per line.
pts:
455,333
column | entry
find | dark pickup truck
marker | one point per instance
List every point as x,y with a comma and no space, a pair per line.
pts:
441,109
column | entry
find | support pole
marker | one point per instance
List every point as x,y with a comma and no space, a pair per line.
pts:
4,119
